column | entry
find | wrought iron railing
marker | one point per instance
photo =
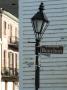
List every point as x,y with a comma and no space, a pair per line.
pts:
13,40
9,72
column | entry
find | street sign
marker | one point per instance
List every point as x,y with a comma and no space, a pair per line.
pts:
53,49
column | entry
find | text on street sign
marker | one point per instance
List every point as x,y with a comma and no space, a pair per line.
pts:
51,49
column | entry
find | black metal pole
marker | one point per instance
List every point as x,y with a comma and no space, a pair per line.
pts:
36,66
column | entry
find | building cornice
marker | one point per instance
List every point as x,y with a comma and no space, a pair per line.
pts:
9,15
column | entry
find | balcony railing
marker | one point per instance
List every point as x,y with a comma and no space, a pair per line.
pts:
13,42
9,74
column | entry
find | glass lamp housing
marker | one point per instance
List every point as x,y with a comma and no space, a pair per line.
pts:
39,22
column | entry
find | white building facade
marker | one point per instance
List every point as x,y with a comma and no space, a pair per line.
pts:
53,67
9,51
0,60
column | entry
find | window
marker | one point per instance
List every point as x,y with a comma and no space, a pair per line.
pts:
4,59
8,26
10,57
11,64
16,64
4,27
15,33
10,30
3,65
10,33
16,61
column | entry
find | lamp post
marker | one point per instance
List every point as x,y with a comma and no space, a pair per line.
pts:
39,23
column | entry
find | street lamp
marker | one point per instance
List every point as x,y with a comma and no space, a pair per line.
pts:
39,23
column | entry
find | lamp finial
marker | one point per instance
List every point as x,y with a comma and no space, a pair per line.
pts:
41,7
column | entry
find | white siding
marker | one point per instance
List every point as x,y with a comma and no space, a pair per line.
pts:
10,85
53,70
2,86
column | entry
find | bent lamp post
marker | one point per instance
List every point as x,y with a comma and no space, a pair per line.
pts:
39,23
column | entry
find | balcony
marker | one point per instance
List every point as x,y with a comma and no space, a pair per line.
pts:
13,43
9,74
